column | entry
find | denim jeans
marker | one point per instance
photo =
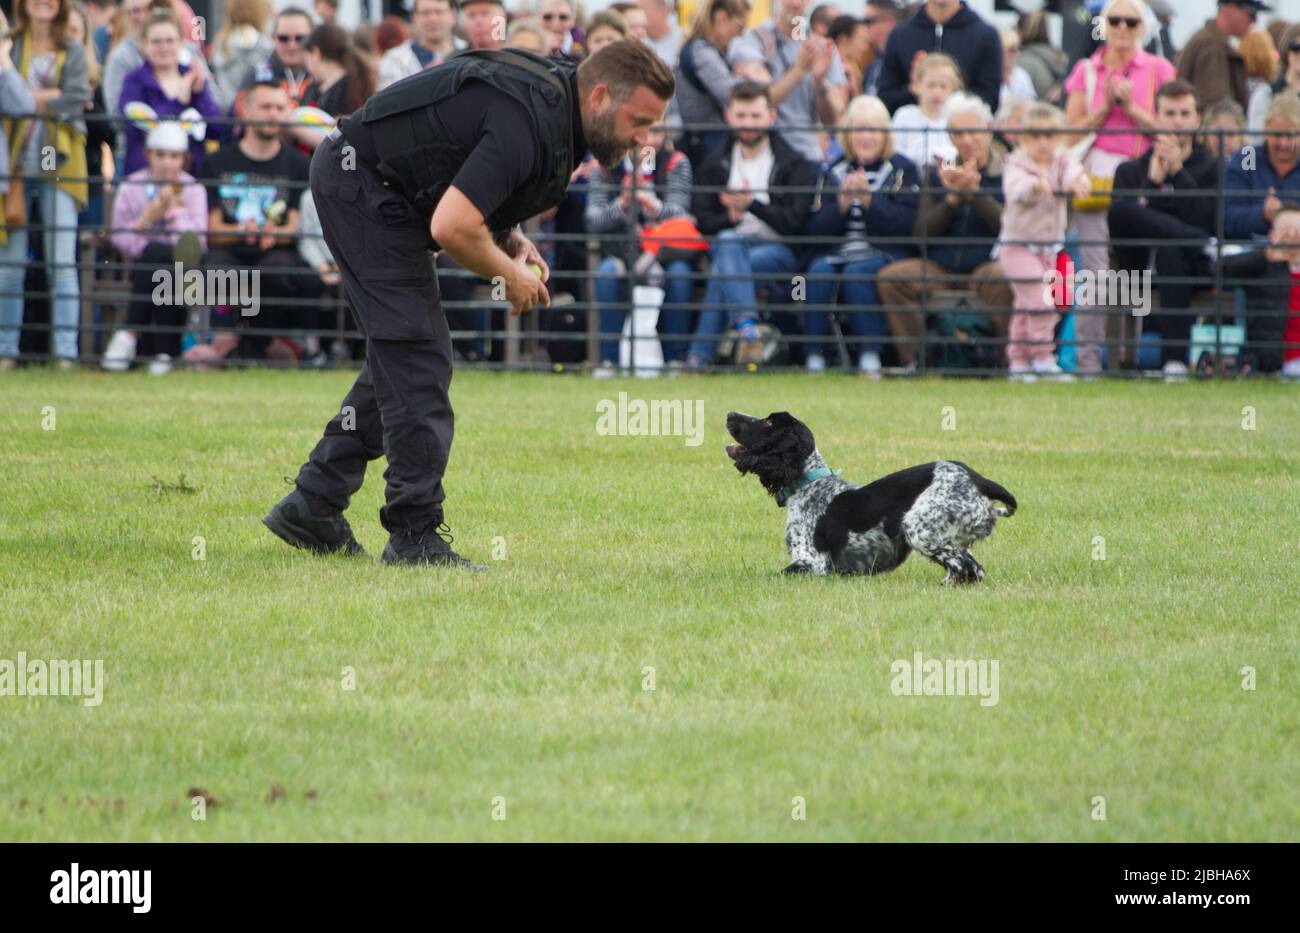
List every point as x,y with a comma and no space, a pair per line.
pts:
738,262
852,292
57,210
674,317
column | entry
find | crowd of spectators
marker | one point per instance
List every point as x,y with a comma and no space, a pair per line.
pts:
911,186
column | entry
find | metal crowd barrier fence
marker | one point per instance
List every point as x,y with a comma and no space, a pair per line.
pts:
569,334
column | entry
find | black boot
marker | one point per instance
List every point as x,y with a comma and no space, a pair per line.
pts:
292,520
428,545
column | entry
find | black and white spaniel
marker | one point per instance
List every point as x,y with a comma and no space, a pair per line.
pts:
939,509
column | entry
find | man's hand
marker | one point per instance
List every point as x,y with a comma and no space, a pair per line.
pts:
1169,153
737,200
524,288
963,179
824,50
805,60
519,246
1272,204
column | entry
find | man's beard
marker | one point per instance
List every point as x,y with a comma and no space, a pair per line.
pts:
751,137
604,142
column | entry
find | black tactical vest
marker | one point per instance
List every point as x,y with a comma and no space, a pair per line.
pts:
399,133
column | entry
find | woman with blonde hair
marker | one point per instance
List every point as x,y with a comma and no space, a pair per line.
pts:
870,192
1112,94
240,45
705,77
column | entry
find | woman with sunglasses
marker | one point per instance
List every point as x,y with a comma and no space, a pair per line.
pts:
1111,93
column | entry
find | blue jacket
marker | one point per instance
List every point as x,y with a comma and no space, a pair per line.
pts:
1243,213
891,213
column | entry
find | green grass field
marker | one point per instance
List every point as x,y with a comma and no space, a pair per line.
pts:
1119,678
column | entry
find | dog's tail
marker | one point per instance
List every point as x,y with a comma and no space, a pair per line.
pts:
992,490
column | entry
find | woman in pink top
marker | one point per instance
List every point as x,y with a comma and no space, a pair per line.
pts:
1124,82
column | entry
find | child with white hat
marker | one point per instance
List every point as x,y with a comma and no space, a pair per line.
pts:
160,218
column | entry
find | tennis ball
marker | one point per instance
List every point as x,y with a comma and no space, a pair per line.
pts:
537,270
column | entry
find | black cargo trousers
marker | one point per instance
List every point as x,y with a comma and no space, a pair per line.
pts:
399,405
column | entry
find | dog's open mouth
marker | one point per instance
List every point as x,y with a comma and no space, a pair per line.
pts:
734,451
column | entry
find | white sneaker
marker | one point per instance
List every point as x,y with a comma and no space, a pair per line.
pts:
1175,371
815,362
606,370
1291,368
1021,372
161,365
869,364
120,352
1050,369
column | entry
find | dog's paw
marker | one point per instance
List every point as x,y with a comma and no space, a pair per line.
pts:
798,567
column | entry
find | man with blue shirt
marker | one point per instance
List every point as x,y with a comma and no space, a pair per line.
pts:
1260,181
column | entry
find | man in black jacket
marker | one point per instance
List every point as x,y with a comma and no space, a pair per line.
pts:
453,158
749,195
1168,194
947,26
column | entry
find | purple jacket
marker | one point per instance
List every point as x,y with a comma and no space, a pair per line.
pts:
142,85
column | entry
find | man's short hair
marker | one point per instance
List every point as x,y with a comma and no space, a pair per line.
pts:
749,90
624,66
889,8
294,11
273,85
1177,88
821,14
843,25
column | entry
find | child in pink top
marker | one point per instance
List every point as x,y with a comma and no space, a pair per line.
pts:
1036,179
160,217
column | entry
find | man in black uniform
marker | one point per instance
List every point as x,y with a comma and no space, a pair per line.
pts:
452,158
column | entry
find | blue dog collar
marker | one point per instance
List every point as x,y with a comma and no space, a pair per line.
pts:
783,495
